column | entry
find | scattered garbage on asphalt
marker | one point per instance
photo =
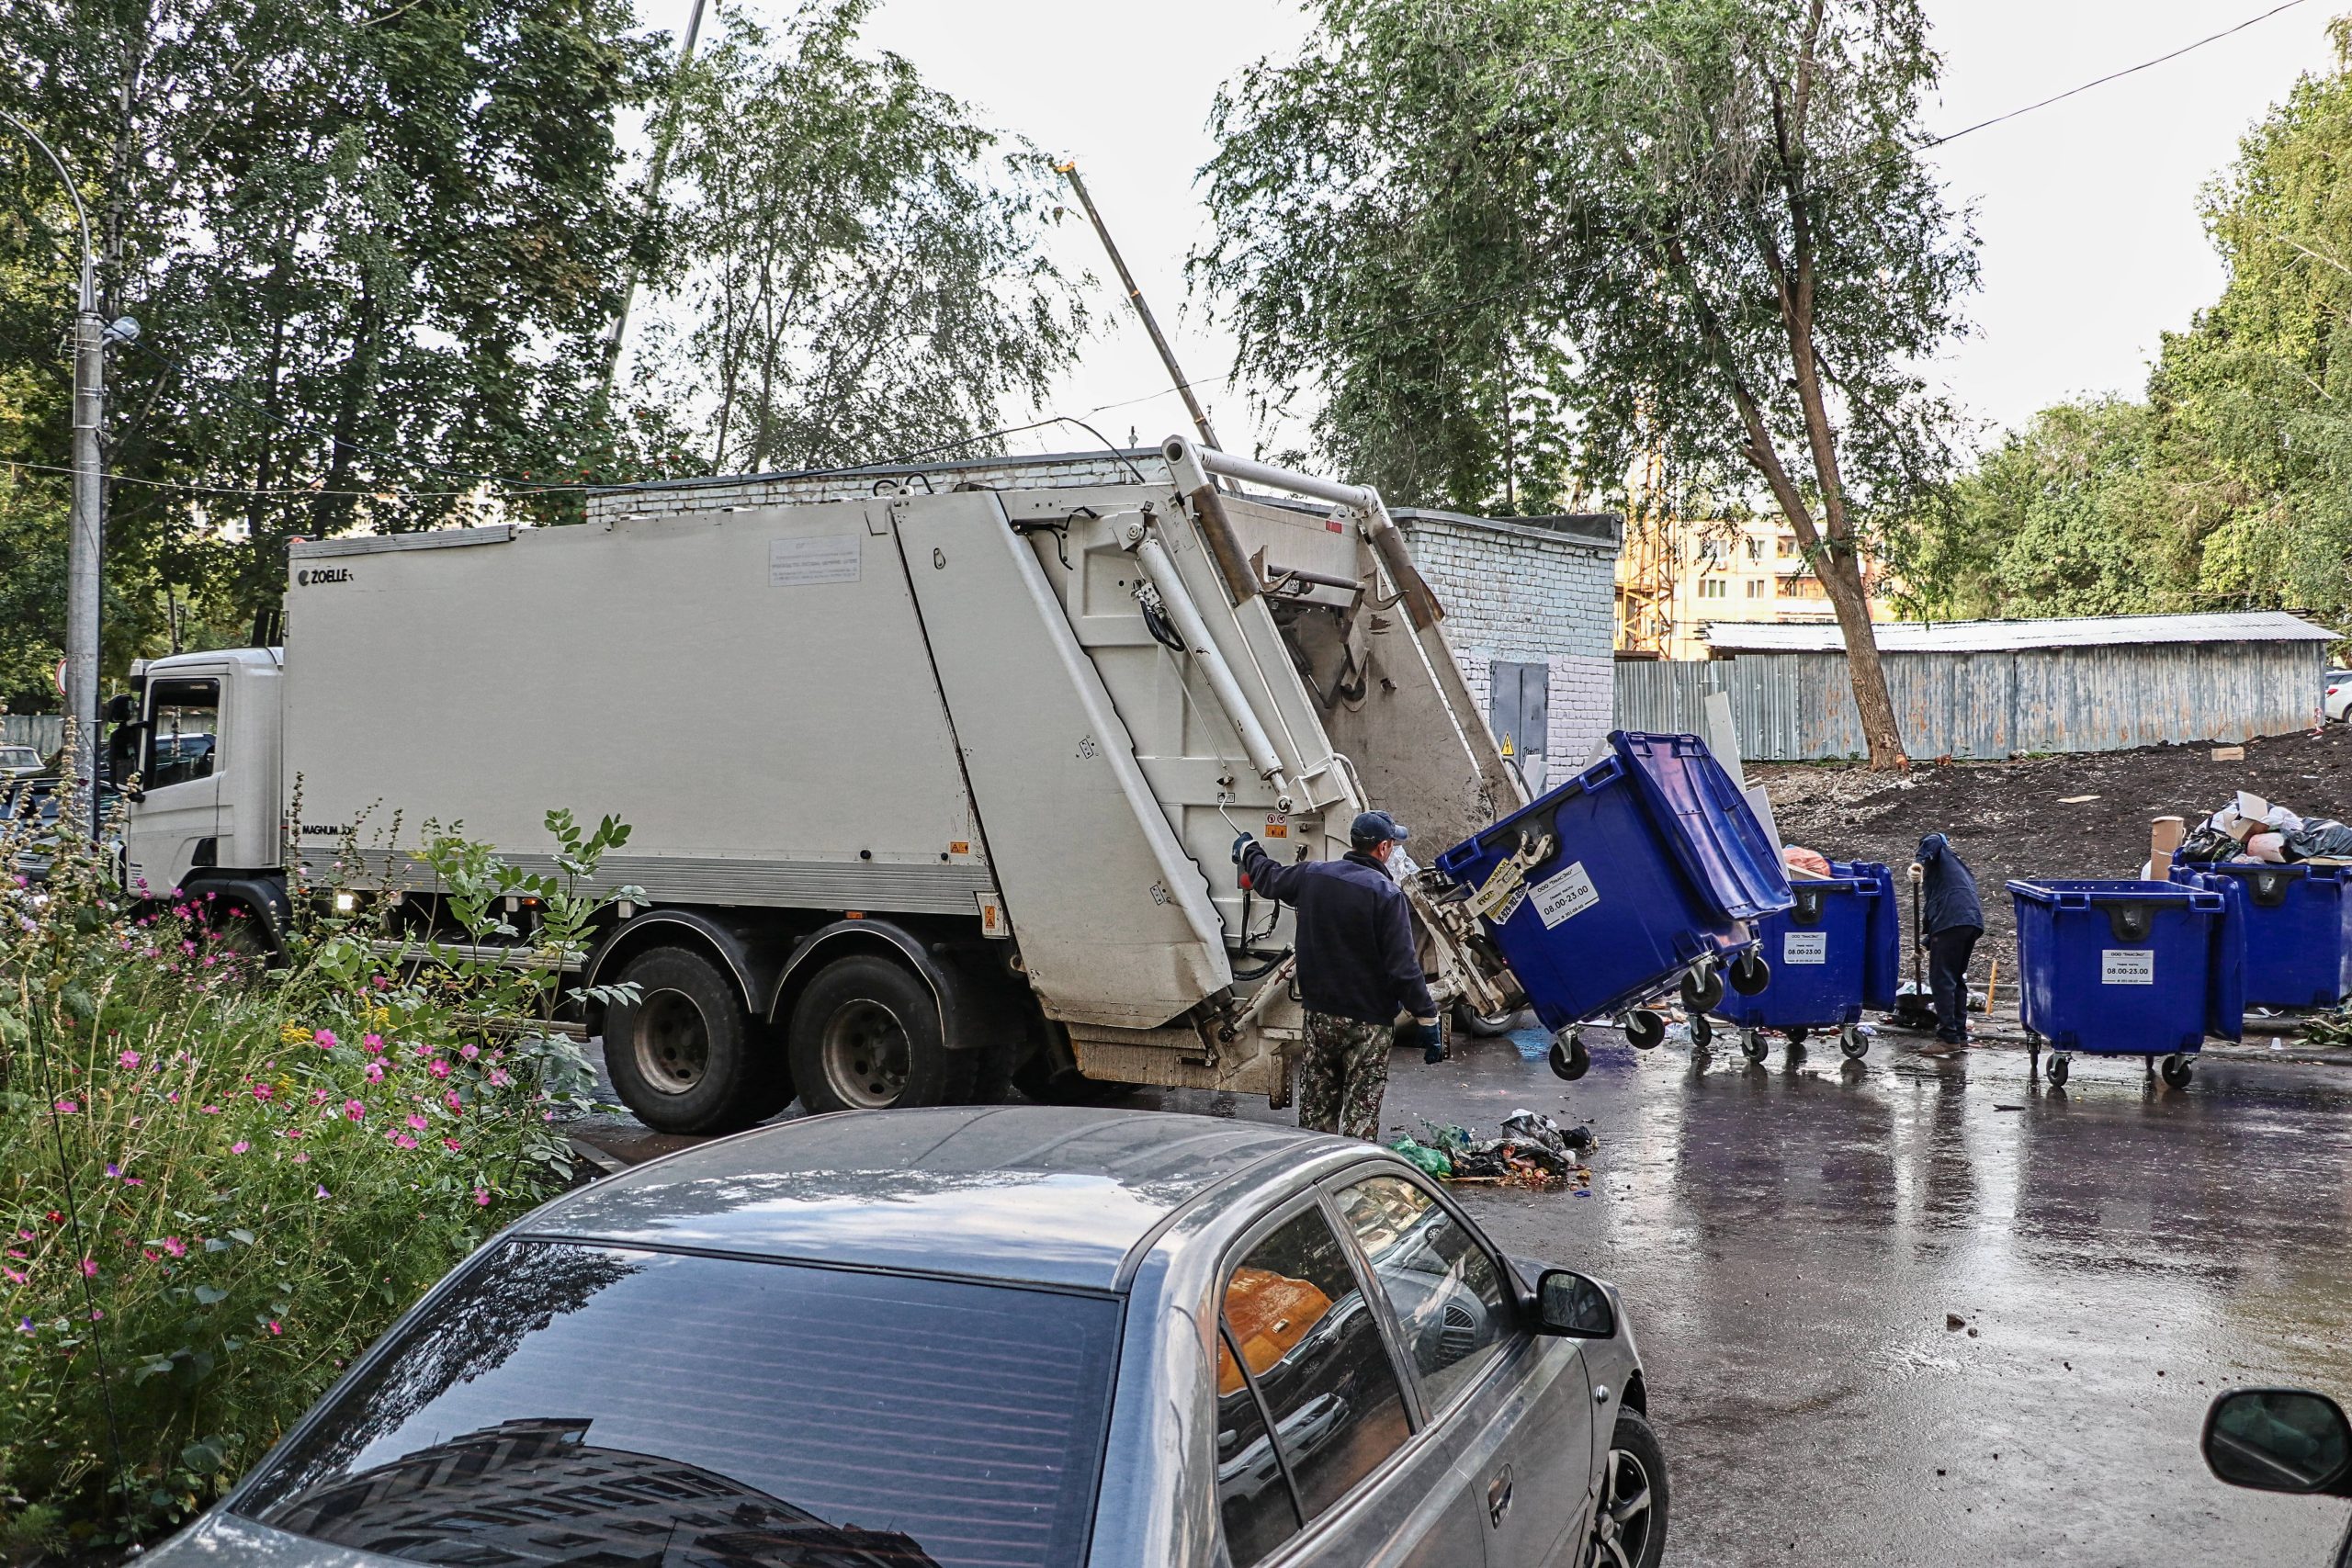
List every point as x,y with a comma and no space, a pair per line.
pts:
1532,1151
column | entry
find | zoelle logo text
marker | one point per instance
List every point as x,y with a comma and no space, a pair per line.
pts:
323,574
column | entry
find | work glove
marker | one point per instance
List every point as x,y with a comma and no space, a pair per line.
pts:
1241,843
1432,1041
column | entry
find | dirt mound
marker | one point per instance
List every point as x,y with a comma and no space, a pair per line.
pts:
2017,818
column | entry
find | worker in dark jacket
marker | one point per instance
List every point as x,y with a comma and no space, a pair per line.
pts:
1950,921
1357,971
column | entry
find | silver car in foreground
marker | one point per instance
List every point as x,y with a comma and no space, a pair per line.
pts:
1005,1335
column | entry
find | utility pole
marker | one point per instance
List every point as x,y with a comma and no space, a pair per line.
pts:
1068,171
663,139
87,537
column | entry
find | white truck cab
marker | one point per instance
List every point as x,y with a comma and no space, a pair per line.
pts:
205,748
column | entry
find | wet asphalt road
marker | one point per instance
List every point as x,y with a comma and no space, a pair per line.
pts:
1790,1238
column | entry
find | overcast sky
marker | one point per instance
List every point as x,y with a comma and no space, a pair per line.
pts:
2092,243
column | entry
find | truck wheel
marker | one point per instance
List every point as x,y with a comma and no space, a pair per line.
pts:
865,1037
683,1055
1479,1026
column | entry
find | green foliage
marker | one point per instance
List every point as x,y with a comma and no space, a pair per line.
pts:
2231,484
1522,246
218,1185
860,273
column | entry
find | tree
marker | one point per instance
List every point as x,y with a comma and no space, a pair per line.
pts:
1699,230
857,276
372,249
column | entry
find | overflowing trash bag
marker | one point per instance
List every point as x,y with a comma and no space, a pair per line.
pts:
2251,829
1532,1150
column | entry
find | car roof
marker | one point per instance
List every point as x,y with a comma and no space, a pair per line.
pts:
1034,1194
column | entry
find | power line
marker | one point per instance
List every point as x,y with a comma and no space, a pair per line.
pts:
2114,75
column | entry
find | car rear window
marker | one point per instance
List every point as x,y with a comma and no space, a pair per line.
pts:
575,1405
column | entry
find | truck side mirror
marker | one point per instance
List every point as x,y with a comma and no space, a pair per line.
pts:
2281,1440
120,708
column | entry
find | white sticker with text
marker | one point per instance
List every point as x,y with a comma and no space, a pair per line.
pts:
829,558
2127,966
1805,947
1570,892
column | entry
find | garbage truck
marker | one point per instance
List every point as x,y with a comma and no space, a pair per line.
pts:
929,790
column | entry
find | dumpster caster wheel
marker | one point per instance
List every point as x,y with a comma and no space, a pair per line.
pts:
1570,1060
1750,973
1751,1045
1797,1037
1703,994
1644,1030
2178,1070
1854,1042
2056,1072
1703,1031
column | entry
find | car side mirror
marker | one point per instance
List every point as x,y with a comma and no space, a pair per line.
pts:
2281,1440
1568,1303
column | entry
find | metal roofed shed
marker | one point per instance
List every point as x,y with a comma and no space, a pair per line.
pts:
1998,689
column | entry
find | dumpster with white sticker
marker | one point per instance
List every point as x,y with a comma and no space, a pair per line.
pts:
2114,968
1646,869
1837,952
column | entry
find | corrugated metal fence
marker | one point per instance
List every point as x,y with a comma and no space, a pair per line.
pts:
44,732
1800,706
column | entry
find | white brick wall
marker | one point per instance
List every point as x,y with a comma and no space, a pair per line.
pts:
1529,595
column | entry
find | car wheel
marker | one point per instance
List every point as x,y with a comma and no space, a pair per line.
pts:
1629,1525
865,1037
684,1055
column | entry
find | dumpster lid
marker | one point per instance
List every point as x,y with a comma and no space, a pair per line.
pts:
1721,846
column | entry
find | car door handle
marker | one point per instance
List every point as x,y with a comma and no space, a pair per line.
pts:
1498,1493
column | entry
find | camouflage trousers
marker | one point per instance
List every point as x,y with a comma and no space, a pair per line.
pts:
1343,1075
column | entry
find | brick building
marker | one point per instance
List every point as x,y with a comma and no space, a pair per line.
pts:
1529,601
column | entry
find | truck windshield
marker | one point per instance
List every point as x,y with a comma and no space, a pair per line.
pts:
576,1405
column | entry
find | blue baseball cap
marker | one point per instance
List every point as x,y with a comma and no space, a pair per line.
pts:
1372,827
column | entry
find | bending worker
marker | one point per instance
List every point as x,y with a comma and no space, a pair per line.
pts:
1357,971
1952,922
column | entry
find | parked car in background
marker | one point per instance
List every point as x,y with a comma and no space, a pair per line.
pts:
2338,700
2284,1439
1022,1335
16,761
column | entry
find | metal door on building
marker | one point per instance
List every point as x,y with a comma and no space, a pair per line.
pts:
1518,700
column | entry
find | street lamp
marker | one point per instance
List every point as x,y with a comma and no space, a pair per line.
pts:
86,538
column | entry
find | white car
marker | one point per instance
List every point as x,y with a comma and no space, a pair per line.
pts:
2338,700
15,760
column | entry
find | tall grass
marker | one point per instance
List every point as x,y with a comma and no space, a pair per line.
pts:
218,1182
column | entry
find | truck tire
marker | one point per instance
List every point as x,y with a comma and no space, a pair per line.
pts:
684,1055
865,1037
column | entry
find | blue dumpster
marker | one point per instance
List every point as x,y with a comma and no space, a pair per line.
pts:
1837,949
1601,893
2119,968
2297,929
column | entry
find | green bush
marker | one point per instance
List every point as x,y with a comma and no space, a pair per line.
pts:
217,1184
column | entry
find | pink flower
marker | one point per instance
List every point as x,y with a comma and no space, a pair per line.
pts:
374,1043
89,1269
416,1122
373,1072
273,1328
13,1276
323,1192
481,1197
240,1147
129,1058
451,1145
498,1078
354,1109
325,1039
262,1091
440,1069
209,1109
469,1051
67,1108
402,1141
456,1107
175,1246
300,1158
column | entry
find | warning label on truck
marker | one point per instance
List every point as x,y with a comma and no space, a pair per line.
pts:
1570,892
2127,966
1805,947
833,558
